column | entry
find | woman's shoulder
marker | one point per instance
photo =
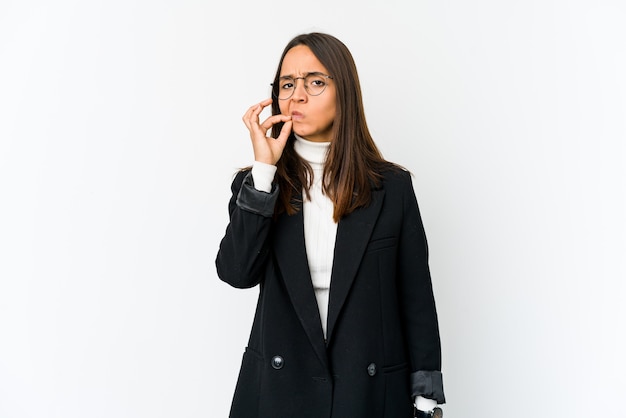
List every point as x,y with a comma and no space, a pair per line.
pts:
392,173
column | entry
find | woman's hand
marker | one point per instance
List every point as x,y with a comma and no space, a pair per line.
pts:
266,149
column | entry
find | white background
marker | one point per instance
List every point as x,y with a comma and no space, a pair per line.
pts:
120,130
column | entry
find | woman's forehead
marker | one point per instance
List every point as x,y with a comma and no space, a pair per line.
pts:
300,61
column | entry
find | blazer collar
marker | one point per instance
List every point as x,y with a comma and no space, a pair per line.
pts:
353,235
290,253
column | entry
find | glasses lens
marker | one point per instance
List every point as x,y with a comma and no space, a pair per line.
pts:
284,89
315,84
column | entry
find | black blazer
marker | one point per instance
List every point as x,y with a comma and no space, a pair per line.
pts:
382,343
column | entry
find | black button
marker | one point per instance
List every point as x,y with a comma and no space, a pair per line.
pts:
371,369
278,362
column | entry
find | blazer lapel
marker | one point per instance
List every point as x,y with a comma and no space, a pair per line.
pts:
353,234
290,253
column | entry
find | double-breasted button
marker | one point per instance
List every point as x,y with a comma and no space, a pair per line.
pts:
278,362
371,369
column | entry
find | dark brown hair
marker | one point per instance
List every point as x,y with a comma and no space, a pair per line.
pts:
354,163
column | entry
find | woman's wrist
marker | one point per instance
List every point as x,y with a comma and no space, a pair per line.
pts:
263,175
425,404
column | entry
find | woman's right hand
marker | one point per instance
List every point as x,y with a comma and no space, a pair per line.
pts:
266,149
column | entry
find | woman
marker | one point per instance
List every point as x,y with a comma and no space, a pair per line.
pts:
345,324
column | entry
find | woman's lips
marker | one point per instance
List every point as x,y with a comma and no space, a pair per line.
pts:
296,115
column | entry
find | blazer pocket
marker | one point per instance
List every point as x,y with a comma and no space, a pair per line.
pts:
397,391
395,368
381,244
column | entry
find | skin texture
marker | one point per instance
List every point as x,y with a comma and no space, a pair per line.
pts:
311,117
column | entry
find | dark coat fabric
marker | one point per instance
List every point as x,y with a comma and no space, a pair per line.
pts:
382,344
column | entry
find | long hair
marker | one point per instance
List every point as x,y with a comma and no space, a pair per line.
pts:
354,163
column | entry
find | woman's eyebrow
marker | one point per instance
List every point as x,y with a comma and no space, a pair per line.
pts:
305,74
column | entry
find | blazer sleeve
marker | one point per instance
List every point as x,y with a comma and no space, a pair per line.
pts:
244,249
418,303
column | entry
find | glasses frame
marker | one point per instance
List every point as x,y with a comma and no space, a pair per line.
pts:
306,89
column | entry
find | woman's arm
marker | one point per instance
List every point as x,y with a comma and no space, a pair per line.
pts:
244,249
417,302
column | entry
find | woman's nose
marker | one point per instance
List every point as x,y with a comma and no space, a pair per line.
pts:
299,92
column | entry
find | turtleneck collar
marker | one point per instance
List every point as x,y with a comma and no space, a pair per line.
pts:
313,152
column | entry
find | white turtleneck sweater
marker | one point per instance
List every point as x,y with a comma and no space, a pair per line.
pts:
320,230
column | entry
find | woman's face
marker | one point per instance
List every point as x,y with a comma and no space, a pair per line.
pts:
312,116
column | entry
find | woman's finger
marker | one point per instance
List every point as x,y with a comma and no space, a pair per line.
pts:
284,132
251,117
273,120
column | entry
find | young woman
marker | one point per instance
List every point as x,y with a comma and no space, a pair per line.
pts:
345,324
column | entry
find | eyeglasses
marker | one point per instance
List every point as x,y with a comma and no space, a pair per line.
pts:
314,85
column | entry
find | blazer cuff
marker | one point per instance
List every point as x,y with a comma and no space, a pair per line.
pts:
428,384
255,201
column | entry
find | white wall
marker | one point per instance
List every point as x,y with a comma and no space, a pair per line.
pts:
119,132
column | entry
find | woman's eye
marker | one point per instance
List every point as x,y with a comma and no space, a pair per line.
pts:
318,82
286,85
